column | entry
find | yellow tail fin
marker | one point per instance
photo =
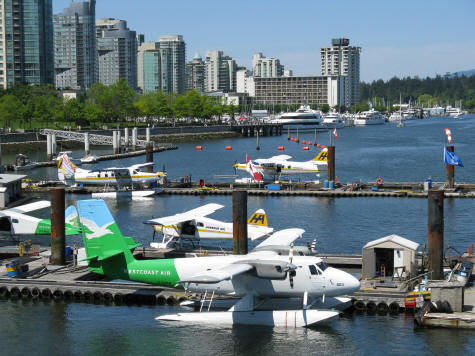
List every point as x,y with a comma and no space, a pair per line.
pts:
322,156
258,218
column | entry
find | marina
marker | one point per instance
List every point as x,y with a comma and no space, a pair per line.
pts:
311,204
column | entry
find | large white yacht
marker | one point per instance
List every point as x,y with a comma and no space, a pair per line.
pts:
333,119
304,115
371,117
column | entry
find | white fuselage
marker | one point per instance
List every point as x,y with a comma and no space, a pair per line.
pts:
206,228
286,167
329,282
123,177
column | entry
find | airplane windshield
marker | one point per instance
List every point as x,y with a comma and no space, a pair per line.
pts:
322,265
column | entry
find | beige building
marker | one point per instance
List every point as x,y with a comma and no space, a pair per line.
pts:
391,255
317,90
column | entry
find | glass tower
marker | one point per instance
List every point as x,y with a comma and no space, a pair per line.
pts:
75,52
26,42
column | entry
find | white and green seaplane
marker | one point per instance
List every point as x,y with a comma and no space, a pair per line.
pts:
15,221
262,275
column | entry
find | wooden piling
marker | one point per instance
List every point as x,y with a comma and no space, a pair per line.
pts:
450,170
126,137
149,156
114,142
58,235
288,133
315,138
240,222
258,147
435,232
331,163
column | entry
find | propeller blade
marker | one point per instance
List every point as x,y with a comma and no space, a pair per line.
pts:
305,299
291,253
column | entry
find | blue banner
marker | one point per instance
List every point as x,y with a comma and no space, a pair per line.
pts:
451,158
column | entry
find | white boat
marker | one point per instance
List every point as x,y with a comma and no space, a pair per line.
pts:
23,163
132,194
396,117
277,318
304,115
333,119
89,159
371,117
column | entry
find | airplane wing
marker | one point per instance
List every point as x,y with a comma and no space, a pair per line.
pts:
188,215
29,207
281,238
220,274
140,165
279,158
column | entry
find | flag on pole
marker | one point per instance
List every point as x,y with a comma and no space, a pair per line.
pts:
335,132
451,158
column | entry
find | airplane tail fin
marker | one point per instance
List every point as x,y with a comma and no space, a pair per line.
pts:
322,156
66,168
259,218
107,251
258,177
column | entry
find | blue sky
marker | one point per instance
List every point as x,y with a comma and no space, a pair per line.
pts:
398,38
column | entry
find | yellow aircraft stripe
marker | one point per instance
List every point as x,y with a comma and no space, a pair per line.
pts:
115,177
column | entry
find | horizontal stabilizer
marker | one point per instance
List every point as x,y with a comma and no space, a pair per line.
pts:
282,238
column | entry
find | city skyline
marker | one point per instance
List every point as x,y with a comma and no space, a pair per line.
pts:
397,38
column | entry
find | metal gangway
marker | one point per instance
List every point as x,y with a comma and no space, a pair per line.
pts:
95,139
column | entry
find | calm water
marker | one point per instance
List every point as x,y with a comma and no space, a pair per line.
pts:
340,225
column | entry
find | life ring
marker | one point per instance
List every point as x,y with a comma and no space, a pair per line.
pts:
379,181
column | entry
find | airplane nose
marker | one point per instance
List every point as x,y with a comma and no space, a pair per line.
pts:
352,283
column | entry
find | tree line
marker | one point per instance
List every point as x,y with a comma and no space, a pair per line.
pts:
441,90
31,107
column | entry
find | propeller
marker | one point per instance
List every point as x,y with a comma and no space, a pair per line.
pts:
291,267
235,167
312,246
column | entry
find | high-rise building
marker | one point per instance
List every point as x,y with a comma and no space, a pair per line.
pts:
266,67
117,52
195,74
220,72
344,60
26,42
149,64
173,74
245,82
140,39
75,54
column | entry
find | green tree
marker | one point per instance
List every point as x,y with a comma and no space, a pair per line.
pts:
325,108
9,113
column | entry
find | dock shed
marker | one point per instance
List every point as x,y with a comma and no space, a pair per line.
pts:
10,188
391,255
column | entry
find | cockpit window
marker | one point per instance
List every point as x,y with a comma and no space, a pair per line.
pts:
200,224
313,269
322,265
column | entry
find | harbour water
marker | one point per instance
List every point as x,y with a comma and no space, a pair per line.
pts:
340,225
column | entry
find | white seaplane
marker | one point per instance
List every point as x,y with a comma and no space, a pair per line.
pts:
281,165
261,275
71,175
14,221
194,225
